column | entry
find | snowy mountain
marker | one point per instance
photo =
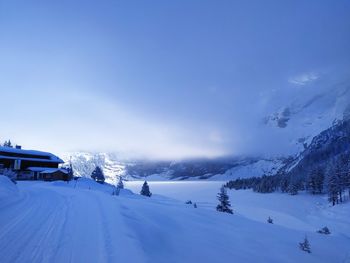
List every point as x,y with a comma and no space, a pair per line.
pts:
84,163
309,113
324,150
214,169
301,120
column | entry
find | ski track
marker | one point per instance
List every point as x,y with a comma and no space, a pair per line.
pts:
54,222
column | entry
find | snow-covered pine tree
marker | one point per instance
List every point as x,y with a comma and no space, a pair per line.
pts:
333,188
348,181
311,182
120,184
344,174
342,178
284,183
315,181
319,181
98,175
224,205
145,190
305,245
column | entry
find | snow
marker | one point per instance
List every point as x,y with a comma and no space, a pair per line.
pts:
53,170
255,169
81,221
84,163
7,188
310,111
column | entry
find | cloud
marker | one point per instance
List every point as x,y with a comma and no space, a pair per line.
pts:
303,79
88,122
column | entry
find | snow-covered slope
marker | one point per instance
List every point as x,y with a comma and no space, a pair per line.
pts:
83,222
255,168
311,112
218,169
7,188
85,162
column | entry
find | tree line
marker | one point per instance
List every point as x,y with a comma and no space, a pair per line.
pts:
332,179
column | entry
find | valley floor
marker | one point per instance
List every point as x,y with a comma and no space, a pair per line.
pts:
83,222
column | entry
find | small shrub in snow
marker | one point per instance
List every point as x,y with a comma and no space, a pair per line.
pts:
270,220
188,202
145,190
305,245
224,205
324,230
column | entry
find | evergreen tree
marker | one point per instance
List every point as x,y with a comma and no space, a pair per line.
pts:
344,173
305,245
333,188
347,183
145,190
98,175
224,205
319,181
293,188
8,144
342,180
284,184
120,184
316,181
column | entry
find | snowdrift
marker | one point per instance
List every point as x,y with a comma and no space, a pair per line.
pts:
7,187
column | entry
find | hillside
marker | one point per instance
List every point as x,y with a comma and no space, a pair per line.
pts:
83,222
214,169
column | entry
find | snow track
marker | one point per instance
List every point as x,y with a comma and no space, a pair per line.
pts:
55,222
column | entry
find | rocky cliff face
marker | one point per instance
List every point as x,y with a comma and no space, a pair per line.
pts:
328,146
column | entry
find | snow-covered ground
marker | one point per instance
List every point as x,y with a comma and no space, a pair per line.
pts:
83,222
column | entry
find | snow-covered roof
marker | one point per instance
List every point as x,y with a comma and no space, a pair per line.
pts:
31,155
37,169
53,170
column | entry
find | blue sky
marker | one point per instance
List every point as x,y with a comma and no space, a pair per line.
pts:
161,79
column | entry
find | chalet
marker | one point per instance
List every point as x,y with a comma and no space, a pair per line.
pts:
32,165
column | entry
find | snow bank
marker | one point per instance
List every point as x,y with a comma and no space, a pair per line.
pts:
85,223
7,187
60,183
